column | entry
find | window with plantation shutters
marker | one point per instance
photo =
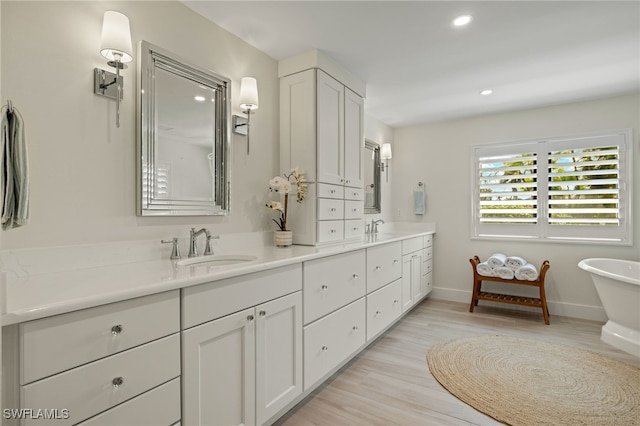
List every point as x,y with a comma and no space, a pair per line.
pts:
567,189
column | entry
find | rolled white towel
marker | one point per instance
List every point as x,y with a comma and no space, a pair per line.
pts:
527,272
504,272
515,262
496,260
483,268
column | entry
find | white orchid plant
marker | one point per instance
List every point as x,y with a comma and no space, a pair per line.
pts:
283,185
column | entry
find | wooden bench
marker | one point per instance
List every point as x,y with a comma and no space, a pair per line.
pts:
535,302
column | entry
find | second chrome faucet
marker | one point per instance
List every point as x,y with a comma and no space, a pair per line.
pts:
193,246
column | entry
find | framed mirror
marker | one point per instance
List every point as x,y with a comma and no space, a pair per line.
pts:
183,133
372,171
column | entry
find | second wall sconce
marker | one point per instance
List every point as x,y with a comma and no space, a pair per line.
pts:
386,155
248,103
116,48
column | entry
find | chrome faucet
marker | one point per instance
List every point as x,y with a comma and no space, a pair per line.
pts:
374,225
175,250
193,247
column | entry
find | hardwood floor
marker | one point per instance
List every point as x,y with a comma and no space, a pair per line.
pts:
390,384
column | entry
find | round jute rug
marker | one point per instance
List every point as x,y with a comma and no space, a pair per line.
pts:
528,382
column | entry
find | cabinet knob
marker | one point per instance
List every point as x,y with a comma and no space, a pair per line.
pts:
395,301
355,228
377,268
262,313
355,328
355,194
325,349
324,287
395,261
116,330
332,209
249,317
355,276
333,191
117,382
378,312
333,231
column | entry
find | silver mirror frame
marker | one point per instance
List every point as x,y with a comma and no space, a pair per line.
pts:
376,207
146,138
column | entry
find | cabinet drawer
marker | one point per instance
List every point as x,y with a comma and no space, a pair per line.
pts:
88,390
330,191
331,340
54,344
427,253
354,194
427,266
330,230
428,240
383,307
353,209
412,244
427,283
383,265
332,282
329,209
205,302
353,228
159,406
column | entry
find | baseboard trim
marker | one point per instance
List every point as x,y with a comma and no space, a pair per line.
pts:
563,309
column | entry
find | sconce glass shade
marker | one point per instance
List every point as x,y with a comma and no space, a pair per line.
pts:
248,93
116,37
386,151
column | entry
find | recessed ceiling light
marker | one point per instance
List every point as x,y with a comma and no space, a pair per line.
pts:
463,20
199,98
486,92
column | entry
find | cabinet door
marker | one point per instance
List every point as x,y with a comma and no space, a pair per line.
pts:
353,139
278,355
218,371
412,288
330,130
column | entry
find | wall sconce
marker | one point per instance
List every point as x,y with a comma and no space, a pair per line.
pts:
386,155
116,48
248,102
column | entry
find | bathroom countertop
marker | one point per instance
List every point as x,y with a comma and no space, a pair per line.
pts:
30,296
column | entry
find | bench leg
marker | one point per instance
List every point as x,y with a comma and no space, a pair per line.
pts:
474,295
545,309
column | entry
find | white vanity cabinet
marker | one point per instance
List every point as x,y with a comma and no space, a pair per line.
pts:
244,363
110,359
322,131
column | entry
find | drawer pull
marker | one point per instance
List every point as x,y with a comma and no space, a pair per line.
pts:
378,312
395,261
355,210
355,328
333,191
263,313
332,209
377,268
355,276
325,349
249,317
117,382
355,194
395,301
355,228
333,231
116,330
324,287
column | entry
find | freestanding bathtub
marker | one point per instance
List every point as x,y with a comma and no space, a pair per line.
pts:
618,285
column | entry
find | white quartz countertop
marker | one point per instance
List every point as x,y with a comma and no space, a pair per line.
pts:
29,295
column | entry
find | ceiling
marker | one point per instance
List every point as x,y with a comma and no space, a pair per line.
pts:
419,68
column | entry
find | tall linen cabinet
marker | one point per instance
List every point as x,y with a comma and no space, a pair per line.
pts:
322,132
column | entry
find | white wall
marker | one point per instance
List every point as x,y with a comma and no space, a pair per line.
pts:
376,131
82,166
426,153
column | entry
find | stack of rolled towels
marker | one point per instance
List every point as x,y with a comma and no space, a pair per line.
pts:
507,267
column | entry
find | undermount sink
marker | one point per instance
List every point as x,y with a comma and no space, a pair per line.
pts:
217,260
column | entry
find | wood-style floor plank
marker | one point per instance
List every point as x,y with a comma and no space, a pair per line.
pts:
389,383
